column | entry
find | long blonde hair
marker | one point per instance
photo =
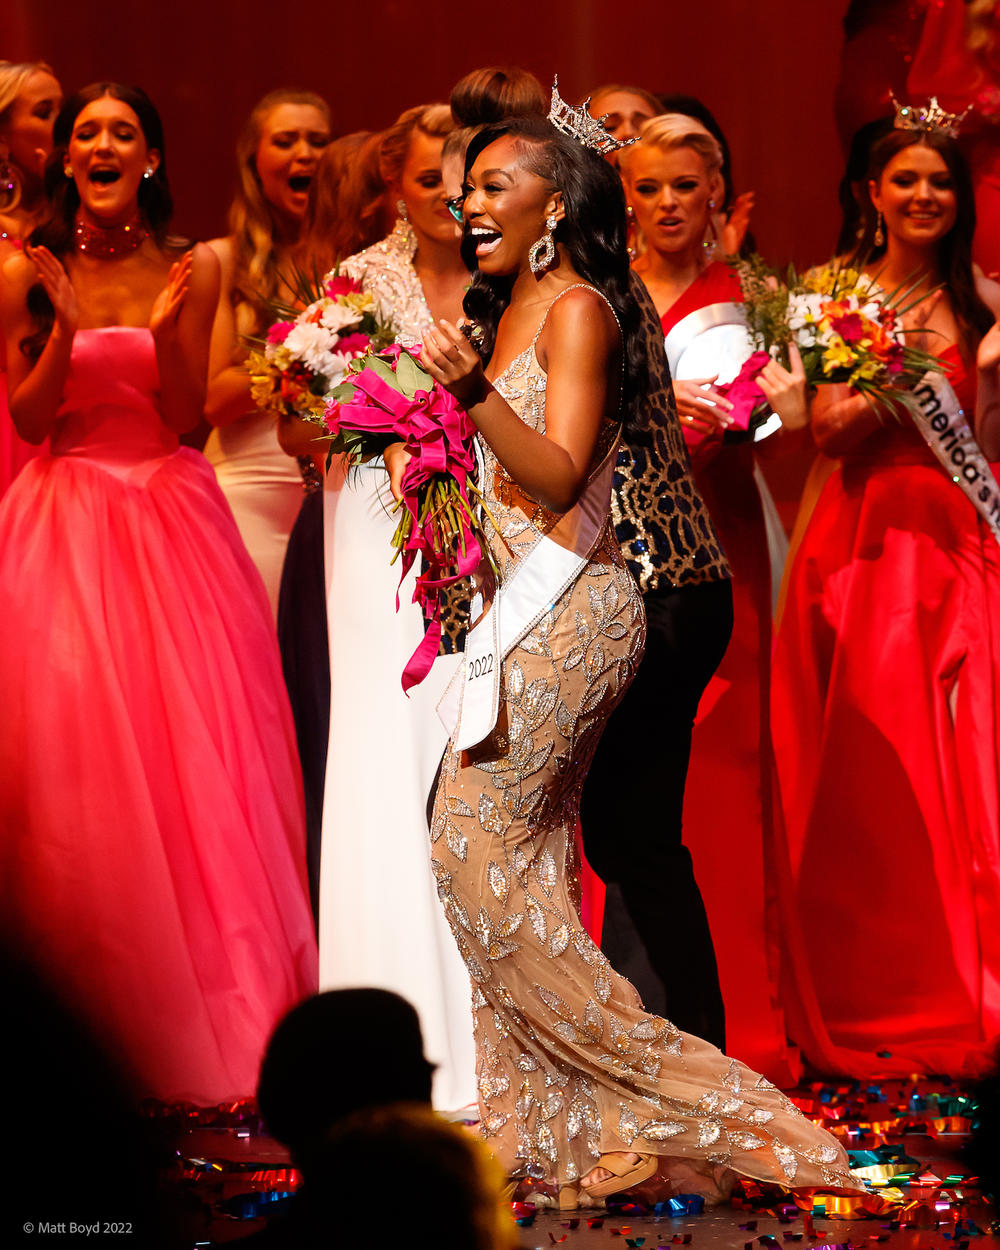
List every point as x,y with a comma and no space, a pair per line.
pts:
251,221
13,76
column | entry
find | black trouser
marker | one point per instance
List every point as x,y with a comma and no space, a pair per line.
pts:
655,929
305,660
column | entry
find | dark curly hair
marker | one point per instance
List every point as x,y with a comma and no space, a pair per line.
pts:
592,232
955,249
56,232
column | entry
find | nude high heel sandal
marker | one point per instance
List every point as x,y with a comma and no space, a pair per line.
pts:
625,1174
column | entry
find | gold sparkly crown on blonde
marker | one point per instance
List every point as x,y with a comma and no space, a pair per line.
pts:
932,117
581,125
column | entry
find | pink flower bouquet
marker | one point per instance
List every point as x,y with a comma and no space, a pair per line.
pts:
306,353
388,397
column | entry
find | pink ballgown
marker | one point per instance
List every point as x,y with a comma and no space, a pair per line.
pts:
152,855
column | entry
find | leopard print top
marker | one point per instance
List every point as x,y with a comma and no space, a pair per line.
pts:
661,521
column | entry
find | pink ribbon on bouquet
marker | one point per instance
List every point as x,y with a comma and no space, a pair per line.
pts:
438,435
743,392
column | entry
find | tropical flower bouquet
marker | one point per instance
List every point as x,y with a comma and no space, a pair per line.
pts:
334,364
846,328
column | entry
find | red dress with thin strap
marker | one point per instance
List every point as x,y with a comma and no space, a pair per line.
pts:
728,808
886,693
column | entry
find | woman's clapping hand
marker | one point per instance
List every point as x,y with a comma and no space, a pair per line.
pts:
58,287
168,304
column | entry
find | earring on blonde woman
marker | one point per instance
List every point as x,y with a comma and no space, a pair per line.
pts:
401,210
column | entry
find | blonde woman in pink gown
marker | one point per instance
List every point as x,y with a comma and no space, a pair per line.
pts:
152,847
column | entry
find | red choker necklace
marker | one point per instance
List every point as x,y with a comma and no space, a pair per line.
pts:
110,241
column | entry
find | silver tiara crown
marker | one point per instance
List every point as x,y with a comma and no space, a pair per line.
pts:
932,117
581,125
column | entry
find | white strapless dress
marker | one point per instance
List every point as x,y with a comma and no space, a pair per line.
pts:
381,922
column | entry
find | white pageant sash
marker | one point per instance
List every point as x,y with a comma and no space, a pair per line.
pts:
710,341
945,430
470,705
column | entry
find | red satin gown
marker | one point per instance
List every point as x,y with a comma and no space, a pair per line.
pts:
728,799
152,846
886,698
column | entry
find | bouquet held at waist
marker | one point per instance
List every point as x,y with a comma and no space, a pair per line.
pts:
335,365
846,328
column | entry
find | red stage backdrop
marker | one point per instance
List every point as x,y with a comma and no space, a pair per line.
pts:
768,71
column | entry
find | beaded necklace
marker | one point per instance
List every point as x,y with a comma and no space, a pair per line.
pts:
107,242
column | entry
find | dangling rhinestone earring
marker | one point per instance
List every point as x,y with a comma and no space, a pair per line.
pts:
709,242
543,253
879,236
401,210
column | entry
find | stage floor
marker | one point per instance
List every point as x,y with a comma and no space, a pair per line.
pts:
229,1178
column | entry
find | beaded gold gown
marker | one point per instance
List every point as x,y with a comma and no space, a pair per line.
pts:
569,1066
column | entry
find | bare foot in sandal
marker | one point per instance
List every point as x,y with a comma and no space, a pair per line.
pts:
616,1171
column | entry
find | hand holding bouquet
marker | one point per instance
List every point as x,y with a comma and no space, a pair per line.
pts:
331,364
844,327
386,396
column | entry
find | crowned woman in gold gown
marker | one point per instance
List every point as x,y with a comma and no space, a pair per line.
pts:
578,1085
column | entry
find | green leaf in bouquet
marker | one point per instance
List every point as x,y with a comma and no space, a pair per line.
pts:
340,393
306,286
765,303
411,377
382,369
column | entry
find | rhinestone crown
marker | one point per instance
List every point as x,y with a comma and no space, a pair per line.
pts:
932,117
581,125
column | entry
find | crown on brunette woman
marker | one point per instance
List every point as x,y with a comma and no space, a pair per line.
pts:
581,125
932,118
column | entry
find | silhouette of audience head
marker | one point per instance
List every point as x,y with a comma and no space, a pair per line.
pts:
982,1151
335,1054
442,1180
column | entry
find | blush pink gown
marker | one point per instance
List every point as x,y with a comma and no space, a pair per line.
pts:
152,855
